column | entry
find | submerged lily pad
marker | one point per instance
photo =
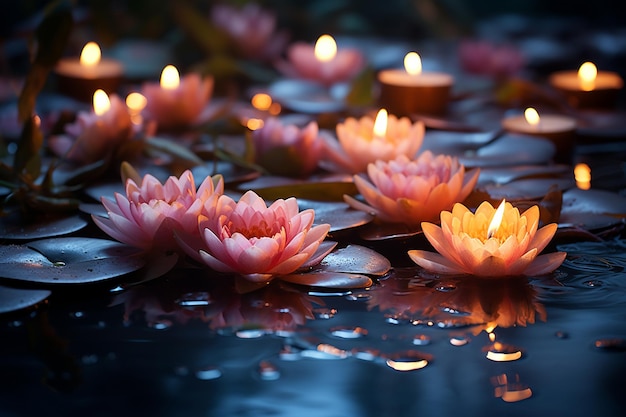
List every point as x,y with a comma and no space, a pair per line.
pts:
13,299
15,227
592,209
68,260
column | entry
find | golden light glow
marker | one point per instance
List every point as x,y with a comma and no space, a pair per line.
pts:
496,220
587,74
136,102
90,55
101,102
413,63
170,79
504,356
261,101
275,109
582,175
492,337
406,366
254,124
325,48
380,124
531,116
516,395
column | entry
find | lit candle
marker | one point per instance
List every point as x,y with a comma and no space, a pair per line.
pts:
588,87
557,128
176,102
582,175
411,90
322,62
81,77
380,125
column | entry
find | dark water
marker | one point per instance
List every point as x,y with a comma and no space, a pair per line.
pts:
411,345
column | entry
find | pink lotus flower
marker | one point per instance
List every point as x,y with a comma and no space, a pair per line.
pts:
483,57
259,242
287,149
94,137
412,191
358,146
302,63
179,105
252,29
149,214
467,243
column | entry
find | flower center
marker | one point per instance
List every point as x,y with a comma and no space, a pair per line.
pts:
257,230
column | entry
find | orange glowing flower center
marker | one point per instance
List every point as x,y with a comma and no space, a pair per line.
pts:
256,230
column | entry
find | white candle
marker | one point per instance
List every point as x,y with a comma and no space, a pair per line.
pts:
588,87
557,128
411,90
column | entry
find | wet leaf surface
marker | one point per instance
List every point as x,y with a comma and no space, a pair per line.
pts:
13,299
68,261
329,280
355,259
339,215
15,227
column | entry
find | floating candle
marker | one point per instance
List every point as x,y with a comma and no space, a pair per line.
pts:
557,128
411,90
81,76
588,87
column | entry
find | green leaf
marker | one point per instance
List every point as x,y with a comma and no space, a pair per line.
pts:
178,152
362,89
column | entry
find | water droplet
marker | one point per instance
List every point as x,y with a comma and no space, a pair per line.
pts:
289,353
592,283
325,313
445,287
78,314
392,319
15,323
325,351
421,339
268,371
58,263
500,352
348,332
329,294
195,299
117,289
162,324
459,340
561,334
102,324
208,373
410,360
365,354
251,333
181,370
611,344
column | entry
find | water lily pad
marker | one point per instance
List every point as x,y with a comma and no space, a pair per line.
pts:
232,173
339,215
15,227
13,299
511,150
504,175
68,260
312,190
592,209
355,259
528,189
377,231
329,280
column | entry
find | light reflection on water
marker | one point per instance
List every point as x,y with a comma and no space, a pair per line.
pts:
412,343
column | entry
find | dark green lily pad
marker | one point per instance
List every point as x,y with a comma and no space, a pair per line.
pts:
339,215
15,227
13,299
329,279
273,188
355,259
68,261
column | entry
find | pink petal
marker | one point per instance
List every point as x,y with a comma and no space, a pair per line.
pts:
433,262
544,264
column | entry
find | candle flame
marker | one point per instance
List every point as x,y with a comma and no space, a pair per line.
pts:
587,74
136,102
413,63
325,48
531,116
101,102
496,220
170,79
90,55
582,175
380,124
